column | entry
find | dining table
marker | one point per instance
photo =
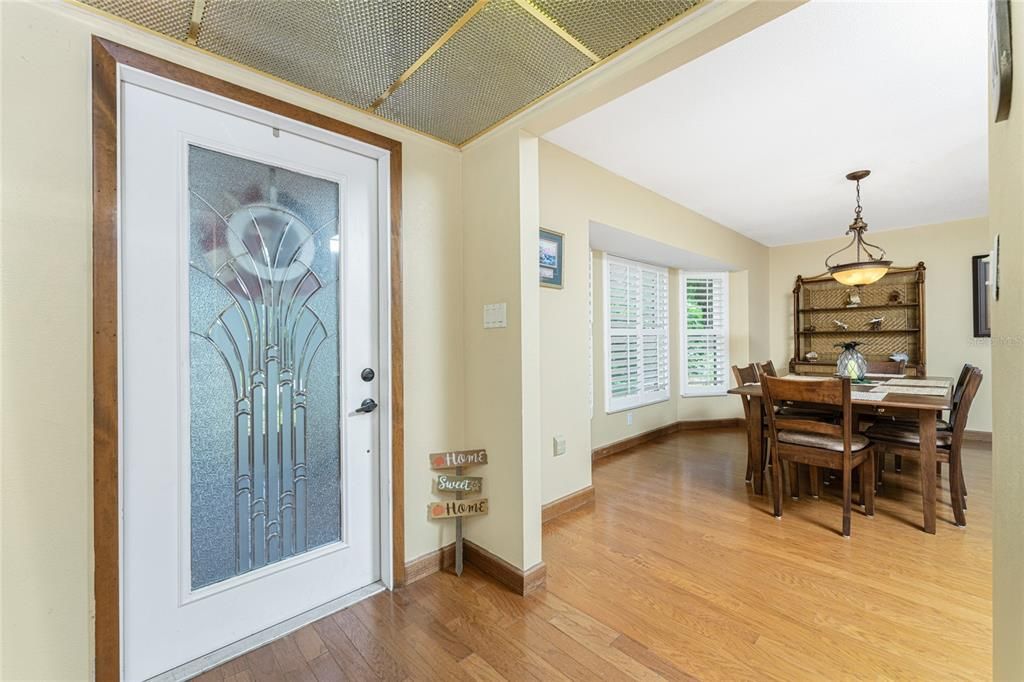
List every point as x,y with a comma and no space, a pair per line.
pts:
879,397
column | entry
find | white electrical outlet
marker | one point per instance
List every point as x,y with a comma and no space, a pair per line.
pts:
629,419
495,315
559,442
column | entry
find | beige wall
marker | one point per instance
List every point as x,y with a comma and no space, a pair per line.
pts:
573,193
45,301
501,365
946,250
1006,212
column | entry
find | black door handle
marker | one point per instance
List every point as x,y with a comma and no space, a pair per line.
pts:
367,406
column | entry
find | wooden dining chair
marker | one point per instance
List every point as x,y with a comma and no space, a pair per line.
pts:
887,366
794,409
940,423
905,440
958,394
819,443
744,376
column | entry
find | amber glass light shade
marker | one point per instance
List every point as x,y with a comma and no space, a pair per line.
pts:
857,274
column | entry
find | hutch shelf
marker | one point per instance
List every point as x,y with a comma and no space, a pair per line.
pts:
827,313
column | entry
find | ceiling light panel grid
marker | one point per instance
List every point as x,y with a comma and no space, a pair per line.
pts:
351,50
170,17
499,62
609,25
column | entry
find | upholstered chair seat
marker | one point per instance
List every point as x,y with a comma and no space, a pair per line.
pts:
906,434
823,441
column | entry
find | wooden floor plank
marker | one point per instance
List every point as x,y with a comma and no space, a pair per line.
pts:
289,658
263,665
386,616
680,572
442,637
495,636
309,643
326,669
352,663
648,658
480,670
387,664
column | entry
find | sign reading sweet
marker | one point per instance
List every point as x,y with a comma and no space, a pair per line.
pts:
457,458
457,508
458,484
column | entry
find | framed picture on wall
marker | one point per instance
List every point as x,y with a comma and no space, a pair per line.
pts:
981,280
551,258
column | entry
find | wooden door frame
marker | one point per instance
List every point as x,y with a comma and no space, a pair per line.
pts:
106,56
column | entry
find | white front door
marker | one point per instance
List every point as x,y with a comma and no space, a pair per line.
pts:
249,332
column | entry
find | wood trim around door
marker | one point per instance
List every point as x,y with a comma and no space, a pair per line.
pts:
106,55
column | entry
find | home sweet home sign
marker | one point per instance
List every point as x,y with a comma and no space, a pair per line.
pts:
459,485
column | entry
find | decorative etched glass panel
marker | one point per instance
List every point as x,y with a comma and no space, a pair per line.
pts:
263,320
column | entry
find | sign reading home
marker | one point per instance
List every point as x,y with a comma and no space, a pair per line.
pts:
458,508
458,484
457,458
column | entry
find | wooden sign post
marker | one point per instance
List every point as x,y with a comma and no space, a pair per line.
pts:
459,485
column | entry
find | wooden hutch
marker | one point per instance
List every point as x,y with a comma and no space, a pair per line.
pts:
822,306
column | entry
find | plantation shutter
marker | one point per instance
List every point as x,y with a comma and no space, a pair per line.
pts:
636,320
705,333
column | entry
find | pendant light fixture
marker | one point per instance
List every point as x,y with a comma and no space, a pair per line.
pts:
868,267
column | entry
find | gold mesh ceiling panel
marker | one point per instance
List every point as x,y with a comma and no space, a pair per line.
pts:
448,68
501,60
350,50
170,17
606,26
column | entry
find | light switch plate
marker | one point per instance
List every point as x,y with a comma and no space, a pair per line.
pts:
559,443
495,315
629,419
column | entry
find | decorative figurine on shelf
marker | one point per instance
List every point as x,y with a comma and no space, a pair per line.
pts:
842,325
810,328
852,298
899,357
876,323
851,361
895,297
811,356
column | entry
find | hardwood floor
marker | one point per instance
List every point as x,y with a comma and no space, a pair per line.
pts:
679,572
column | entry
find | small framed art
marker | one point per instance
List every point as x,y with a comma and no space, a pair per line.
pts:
551,258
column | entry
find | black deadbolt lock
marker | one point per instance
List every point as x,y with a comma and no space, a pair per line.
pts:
367,374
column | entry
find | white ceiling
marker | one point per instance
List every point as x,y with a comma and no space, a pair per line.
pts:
759,134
